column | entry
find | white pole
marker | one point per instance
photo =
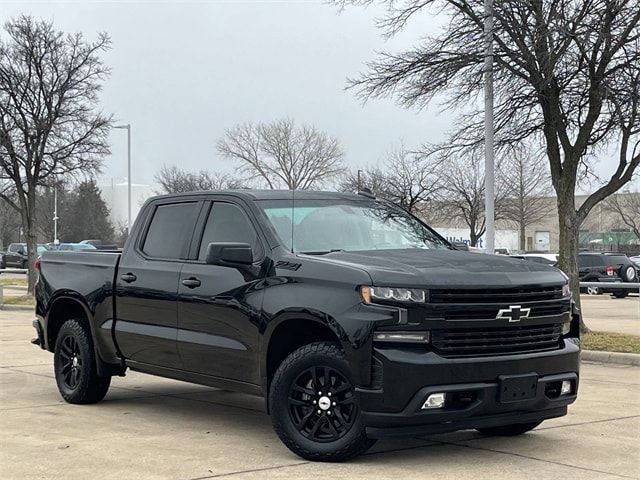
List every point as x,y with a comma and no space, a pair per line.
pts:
489,173
55,216
128,128
128,179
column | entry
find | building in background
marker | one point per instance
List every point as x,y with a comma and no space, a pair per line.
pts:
115,196
601,230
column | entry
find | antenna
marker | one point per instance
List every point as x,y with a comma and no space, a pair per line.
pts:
293,209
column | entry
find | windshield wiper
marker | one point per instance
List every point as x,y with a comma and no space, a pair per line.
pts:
323,252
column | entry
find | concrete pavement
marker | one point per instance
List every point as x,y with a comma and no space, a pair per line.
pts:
152,428
603,313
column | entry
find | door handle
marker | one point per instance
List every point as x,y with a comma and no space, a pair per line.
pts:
128,277
191,282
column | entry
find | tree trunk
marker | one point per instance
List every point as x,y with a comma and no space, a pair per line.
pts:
31,238
522,237
569,231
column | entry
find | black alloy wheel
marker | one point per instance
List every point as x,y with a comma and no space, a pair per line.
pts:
314,407
322,404
72,362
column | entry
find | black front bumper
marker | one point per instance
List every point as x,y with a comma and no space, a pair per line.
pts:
408,377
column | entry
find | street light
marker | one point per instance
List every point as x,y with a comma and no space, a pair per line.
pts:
127,127
55,216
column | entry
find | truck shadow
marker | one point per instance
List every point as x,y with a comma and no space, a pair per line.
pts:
224,414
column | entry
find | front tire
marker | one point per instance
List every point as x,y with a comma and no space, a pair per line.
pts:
509,430
314,408
74,364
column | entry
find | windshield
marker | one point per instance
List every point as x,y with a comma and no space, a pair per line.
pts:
322,226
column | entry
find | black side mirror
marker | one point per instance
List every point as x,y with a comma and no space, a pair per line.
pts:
229,254
21,252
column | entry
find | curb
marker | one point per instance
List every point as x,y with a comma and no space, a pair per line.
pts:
632,359
21,308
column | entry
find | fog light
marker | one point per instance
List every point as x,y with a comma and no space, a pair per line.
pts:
566,328
565,389
435,400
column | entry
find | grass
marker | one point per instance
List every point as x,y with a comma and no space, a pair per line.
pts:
611,342
7,281
19,300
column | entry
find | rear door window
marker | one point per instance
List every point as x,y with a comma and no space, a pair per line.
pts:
170,230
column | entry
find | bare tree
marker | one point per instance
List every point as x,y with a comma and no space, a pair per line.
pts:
407,179
527,186
280,154
46,208
371,178
175,180
49,86
412,180
463,192
566,75
626,206
9,224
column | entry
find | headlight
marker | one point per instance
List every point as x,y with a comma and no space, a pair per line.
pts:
566,290
393,294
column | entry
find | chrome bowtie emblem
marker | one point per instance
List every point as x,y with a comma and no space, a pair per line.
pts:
514,313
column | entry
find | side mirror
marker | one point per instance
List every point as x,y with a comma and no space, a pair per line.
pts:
228,254
21,252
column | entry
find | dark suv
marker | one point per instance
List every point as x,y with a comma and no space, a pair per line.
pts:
607,267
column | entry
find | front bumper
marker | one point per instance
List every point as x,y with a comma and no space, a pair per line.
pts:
407,377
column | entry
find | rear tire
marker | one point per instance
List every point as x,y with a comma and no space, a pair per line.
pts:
314,409
509,430
74,364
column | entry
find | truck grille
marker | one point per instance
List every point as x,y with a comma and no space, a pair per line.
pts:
496,341
488,312
496,295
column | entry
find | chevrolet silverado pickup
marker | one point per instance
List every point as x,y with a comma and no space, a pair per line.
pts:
351,317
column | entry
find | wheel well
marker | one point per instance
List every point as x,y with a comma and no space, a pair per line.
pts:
61,311
291,335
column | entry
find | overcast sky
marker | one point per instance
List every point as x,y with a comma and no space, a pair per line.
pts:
185,72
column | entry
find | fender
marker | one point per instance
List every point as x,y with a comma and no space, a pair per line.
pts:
357,345
103,367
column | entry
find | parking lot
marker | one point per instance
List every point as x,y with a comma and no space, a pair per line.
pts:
149,428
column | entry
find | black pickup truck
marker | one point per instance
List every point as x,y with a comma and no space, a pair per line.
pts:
352,318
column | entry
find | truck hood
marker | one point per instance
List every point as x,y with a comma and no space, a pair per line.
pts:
446,269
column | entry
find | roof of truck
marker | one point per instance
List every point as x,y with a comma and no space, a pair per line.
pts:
276,194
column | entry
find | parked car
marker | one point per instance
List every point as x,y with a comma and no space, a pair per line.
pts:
352,318
543,258
606,267
636,260
100,245
65,247
16,255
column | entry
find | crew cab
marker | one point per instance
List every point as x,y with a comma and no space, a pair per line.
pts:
352,318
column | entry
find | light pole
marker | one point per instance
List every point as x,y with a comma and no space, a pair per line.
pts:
55,216
127,127
489,174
